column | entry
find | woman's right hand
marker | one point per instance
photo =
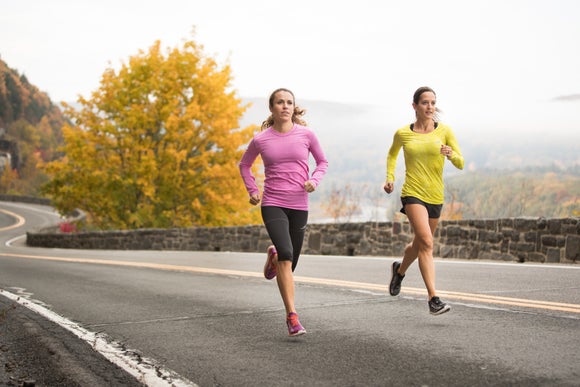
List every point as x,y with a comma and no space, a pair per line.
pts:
254,199
389,187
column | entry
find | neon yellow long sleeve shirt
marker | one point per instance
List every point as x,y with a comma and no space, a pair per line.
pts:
423,162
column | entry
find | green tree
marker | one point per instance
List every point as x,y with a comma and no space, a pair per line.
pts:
156,146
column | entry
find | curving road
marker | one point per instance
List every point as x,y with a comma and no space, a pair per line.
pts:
210,319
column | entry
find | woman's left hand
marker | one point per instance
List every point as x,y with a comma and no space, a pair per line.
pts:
309,186
254,199
446,151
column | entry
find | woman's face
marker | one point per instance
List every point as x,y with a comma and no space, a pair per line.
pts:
425,109
282,107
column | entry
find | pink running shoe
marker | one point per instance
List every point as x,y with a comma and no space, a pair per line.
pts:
270,267
294,326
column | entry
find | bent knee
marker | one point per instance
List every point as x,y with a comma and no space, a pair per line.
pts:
424,243
285,255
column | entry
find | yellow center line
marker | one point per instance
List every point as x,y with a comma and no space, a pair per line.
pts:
548,305
19,220
483,298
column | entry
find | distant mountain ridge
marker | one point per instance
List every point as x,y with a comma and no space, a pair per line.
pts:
347,129
30,132
356,140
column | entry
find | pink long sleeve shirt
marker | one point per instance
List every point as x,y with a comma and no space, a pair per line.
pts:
285,157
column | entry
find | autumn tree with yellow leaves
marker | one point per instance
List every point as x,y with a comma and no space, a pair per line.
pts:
341,203
157,146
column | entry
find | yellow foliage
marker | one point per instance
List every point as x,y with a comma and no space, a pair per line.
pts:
157,145
341,203
8,181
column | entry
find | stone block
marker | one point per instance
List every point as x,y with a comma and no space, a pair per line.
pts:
326,250
525,224
536,257
446,251
554,226
531,236
487,236
553,240
353,238
541,224
521,257
512,235
365,248
466,252
522,247
472,235
495,256
553,255
480,224
314,241
506,223
397,228
454,231
329,238
573,248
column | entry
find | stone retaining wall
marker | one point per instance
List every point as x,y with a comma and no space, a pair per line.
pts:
24,199
513,239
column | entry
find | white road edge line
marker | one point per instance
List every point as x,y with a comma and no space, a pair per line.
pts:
146,371
9,242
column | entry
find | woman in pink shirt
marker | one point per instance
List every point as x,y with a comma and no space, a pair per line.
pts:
285,144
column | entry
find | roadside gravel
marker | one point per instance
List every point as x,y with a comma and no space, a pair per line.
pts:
38,352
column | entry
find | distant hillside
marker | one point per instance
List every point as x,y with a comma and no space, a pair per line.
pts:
356,140
358,137
30,132
537,192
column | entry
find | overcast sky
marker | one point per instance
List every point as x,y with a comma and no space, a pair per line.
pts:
497,63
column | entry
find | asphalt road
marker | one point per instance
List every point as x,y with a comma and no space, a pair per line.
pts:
211,319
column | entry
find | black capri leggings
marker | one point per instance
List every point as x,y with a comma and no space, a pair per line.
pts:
286,228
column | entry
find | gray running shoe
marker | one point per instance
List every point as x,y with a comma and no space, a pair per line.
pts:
436,306
396,279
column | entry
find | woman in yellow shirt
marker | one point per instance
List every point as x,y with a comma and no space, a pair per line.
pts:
426,143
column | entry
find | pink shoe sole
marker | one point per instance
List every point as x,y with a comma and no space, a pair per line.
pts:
270,268
294,326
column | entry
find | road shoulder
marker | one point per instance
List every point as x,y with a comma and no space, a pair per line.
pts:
36,351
